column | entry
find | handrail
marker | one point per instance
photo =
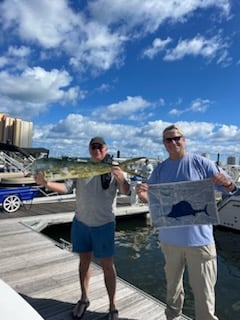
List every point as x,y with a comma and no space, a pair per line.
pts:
17,164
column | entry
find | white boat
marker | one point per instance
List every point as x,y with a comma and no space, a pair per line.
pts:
15,164
229,205
13,306
229,211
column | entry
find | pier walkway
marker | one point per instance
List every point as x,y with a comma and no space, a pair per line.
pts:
45,275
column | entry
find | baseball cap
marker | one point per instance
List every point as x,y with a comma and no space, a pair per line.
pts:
99,140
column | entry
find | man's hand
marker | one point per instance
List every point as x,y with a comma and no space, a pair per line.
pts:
118,174
142,191
120,177
39,178
224,181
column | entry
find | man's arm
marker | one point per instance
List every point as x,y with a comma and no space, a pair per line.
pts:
51,185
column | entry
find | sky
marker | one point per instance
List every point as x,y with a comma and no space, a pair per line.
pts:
123,70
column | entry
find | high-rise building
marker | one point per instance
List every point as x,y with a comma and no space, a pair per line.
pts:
15,131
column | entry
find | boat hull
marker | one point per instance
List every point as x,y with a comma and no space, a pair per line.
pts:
229,213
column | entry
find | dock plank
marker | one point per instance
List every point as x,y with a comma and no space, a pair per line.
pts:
46,275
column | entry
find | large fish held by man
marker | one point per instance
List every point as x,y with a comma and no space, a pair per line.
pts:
68,168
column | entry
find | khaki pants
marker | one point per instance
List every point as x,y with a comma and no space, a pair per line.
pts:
202,270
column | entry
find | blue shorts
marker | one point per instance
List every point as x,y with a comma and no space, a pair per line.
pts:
99,240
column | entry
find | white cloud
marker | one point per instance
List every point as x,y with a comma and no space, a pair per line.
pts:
21,109
99,49
201,137
125,108
31,91
3,61
198,46
16,58
176,112
158,45
46,22
200,105
86,43
148,15
35,85
197,105
226,132
21,51
79,134
96,36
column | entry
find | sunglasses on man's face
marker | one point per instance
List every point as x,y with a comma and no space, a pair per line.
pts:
169,140
97,146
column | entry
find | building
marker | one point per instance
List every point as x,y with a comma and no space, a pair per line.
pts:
15,131
231,160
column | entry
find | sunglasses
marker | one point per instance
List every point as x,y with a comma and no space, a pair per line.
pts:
176,139
97,146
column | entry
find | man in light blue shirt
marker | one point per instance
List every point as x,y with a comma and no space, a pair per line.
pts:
191,246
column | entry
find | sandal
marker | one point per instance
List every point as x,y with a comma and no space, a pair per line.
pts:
113,315
80,309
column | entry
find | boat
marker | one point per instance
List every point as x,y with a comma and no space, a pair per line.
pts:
15,164
12,198
15,174
229,211
13,305
229,205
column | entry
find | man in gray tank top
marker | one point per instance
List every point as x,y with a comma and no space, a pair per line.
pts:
93,227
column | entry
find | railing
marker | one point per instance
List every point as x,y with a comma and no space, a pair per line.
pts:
15,164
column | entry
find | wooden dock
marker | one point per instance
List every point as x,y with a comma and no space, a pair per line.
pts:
46,275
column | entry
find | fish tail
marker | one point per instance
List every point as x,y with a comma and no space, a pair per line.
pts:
124,166
205,210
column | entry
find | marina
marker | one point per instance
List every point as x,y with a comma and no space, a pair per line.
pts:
45,275
30,254
133,104
40,215
16,173
137,248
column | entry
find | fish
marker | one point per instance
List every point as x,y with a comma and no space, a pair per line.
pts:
184,208
69,168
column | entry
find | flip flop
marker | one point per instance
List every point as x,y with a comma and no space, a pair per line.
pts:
80,309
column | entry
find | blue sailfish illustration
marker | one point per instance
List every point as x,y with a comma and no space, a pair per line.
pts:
184,208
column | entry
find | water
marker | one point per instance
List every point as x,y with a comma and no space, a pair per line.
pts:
139,261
